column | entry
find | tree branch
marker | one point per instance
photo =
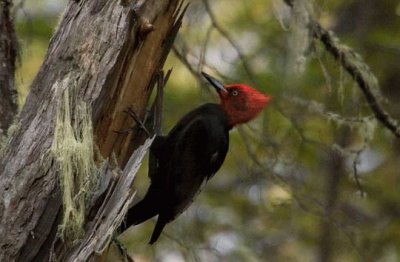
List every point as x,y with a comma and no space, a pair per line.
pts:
356,68
360,72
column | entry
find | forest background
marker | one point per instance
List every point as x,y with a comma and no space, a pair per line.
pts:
316,176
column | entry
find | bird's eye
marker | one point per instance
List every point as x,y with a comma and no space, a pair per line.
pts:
235,92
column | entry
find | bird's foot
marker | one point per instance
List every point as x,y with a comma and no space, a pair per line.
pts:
139,123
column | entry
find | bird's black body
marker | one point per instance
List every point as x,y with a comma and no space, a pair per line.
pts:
189,155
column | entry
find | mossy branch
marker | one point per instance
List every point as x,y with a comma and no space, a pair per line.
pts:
356,68
359,71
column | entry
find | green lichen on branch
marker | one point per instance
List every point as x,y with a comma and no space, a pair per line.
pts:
365,126
73,150
348,59
360,72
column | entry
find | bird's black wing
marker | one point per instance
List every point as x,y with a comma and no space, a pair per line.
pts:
197,152
192,153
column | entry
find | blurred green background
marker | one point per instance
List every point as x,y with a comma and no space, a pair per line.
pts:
288,189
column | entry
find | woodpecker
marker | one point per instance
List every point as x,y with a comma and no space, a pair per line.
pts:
192,152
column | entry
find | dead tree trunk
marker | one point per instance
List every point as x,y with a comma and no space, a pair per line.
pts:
8,54
110,53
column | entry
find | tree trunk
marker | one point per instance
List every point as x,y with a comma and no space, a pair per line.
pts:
336,171
8,54
110,54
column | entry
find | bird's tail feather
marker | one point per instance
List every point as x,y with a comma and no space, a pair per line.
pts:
157,230
140,212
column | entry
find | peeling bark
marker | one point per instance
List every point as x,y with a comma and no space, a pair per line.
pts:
111,54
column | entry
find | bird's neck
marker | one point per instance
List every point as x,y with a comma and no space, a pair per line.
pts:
234,117
239,113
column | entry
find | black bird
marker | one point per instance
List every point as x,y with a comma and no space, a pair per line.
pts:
192,153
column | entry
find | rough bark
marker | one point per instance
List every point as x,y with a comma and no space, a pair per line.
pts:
111,54
111,213
8,54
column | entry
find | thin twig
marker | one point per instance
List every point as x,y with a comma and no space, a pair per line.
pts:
229,38
203,52
184,61
356,176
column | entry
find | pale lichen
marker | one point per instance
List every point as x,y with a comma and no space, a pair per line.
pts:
6,138
297,19
364,126
73,150
3,140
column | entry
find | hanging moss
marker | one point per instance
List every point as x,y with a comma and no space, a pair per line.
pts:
73,151
295,16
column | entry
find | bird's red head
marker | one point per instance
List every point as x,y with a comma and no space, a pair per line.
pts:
240,102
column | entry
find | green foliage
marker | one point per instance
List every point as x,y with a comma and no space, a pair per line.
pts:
41,28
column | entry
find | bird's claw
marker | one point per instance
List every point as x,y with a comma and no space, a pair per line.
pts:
129,111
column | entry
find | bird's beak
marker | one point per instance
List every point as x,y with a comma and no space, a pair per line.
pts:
215,83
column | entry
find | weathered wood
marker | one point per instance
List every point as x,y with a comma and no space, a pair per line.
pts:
8,54
110,53
111,214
